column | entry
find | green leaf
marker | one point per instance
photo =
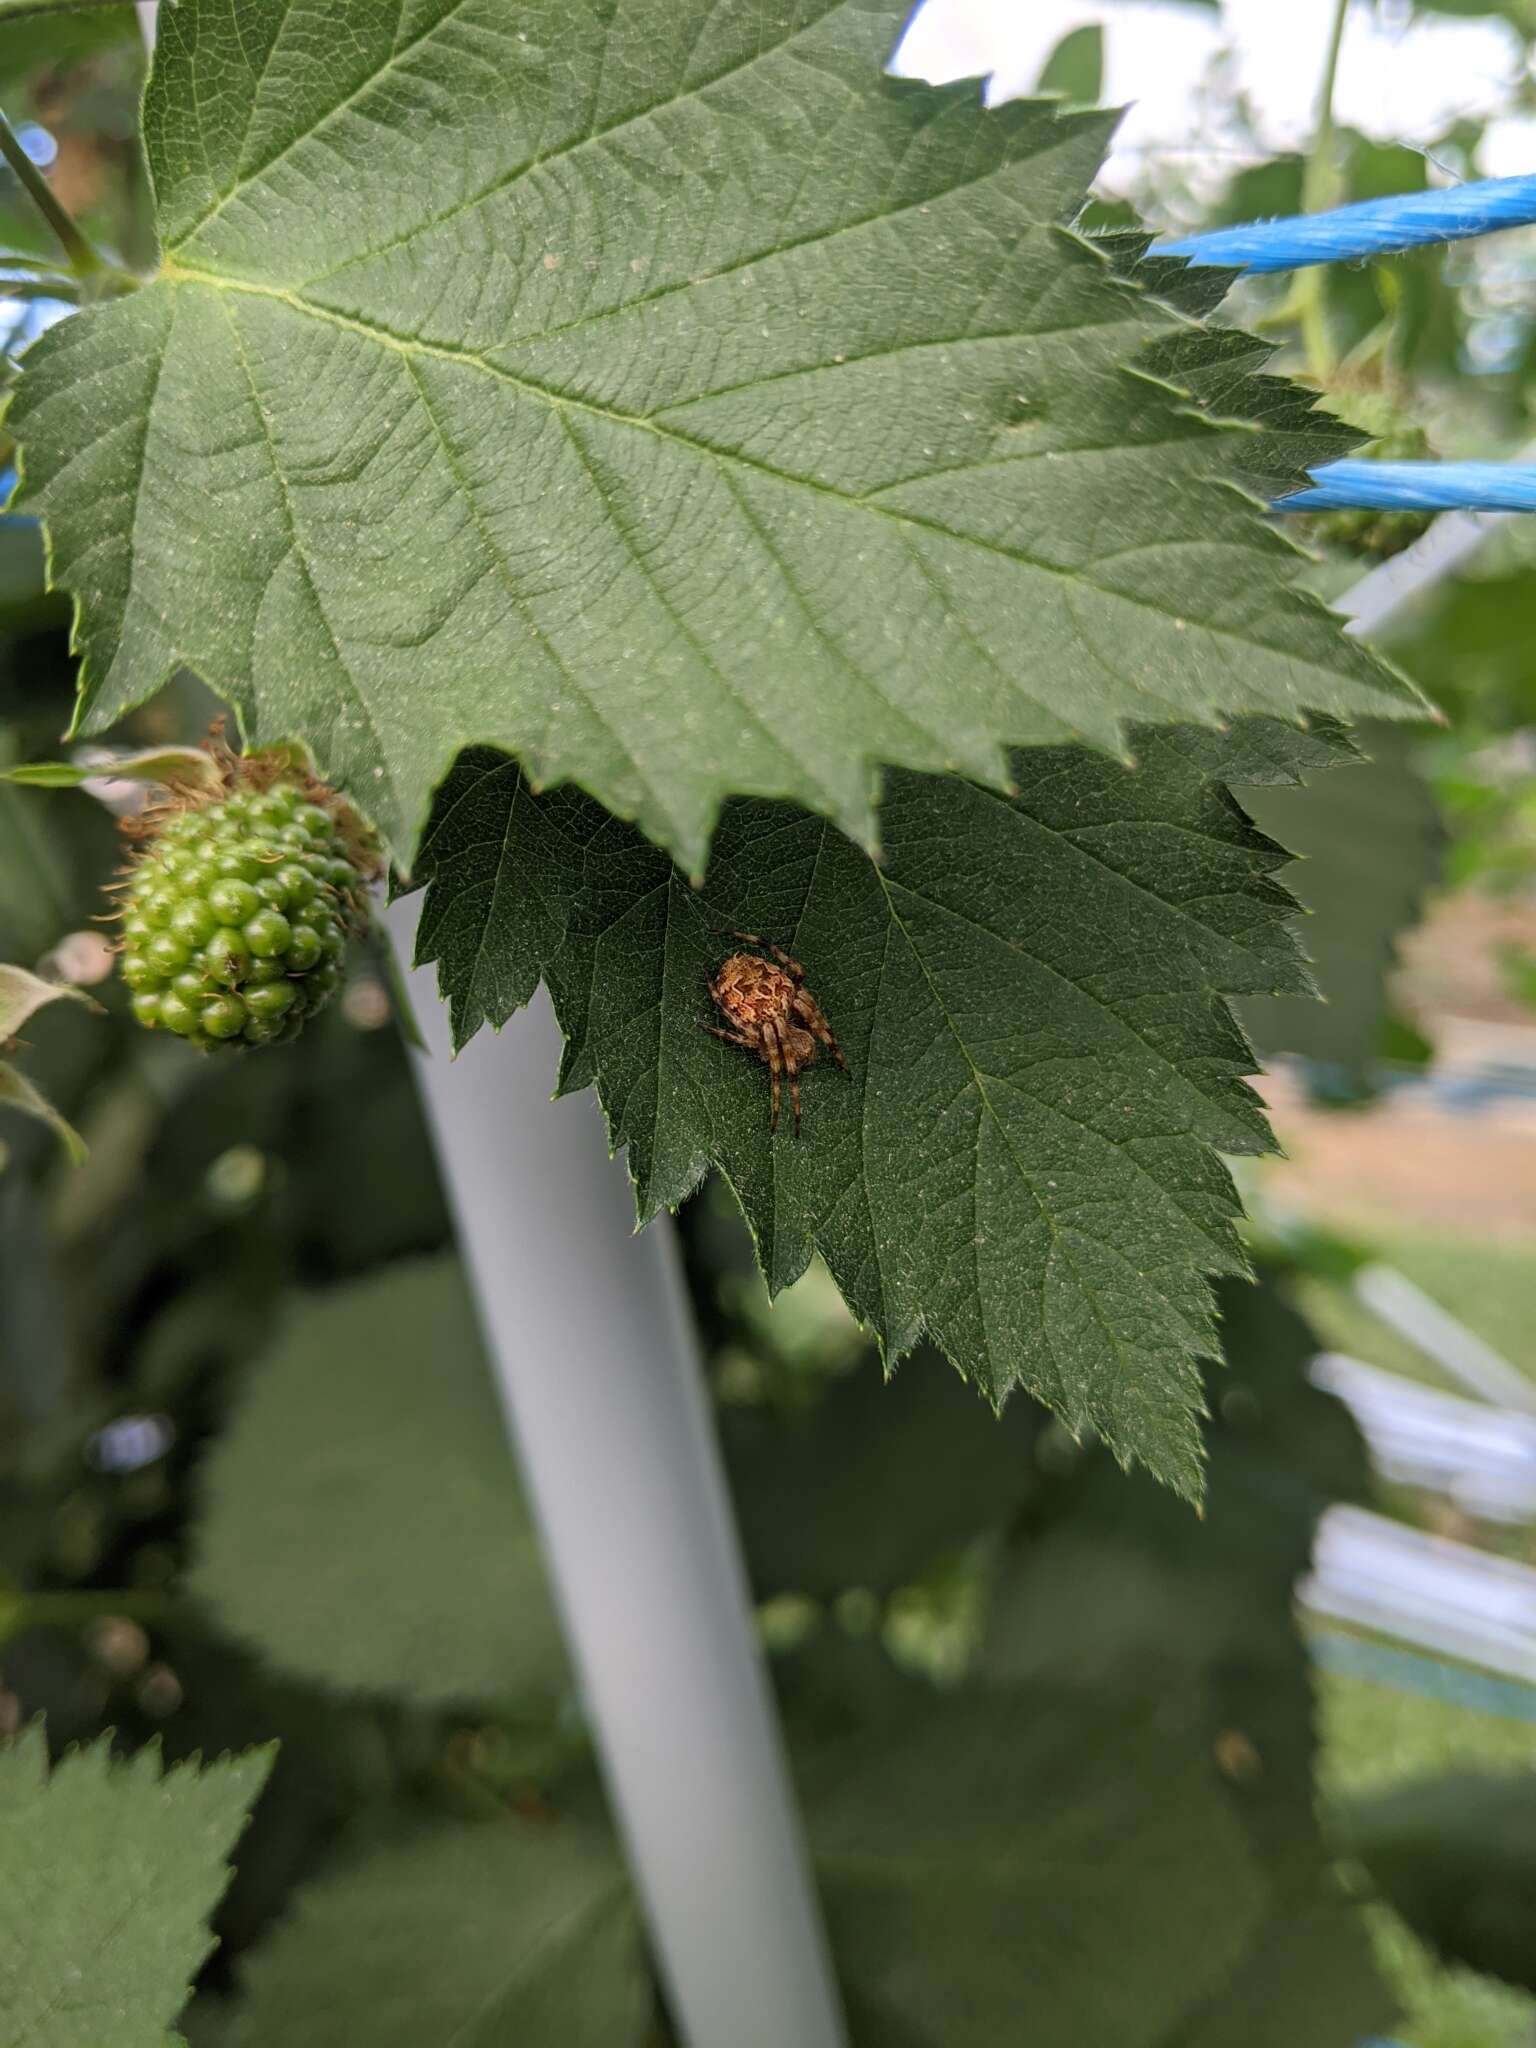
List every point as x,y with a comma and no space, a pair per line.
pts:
377,1396
656,390
171,766
1021,1160
471,1937
1118,1588
1369,842
23,994
883,1477
111,1870
978,1858
1455,1854
20,10
1075,68
18,1093
1044,1853
52,860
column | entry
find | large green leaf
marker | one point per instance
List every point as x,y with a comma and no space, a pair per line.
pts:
465,1938
1001,1854
1022,1158
363,1522
1044,1864
654,389
1115,1587
871,1483
110,1871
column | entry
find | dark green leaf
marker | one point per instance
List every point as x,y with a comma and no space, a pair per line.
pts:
110,1871
55,853
363,1522
1022,1158
473,1937
1118,1587
871,1484
654,389
1038,1860
1456,1856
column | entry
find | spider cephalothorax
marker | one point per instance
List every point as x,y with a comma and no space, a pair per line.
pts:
773,1016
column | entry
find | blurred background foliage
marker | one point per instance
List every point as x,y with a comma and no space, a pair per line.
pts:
251,1485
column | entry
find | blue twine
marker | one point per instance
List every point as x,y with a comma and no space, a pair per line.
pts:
1376,227
1417,487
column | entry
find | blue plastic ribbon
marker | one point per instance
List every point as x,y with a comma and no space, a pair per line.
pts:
1417,487
1376,227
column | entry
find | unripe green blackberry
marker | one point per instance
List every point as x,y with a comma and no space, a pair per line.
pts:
238,905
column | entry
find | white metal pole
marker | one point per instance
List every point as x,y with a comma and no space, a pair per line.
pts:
591,1340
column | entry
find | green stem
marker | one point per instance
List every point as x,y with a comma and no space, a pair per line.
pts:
84,261
1322,187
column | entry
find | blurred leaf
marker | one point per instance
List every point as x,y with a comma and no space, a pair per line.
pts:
362,1520
18,1093
23,994
869,1485
1456,1856
470,1937
55,854
110,1871
1116,1585
24,595
1520,13
333,1767
1037,1858
1467,640
63,30
1075,68
189,767
1021,1159
1368,843
1308,1979
36,1350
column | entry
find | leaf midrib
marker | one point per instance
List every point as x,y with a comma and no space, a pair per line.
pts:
174,273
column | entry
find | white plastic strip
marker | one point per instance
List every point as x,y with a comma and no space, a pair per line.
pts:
1444,1597
1481,1457
1449,1343
592,1343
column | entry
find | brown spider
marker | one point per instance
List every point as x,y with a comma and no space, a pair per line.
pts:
774,1015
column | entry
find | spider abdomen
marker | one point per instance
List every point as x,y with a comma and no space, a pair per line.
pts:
773,1016
751,990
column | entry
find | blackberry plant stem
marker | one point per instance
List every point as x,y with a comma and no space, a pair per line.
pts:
84,260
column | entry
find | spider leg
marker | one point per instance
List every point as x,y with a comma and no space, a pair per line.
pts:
794,1096
730,1037
790,965
773,1052
823,1031
809,1014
